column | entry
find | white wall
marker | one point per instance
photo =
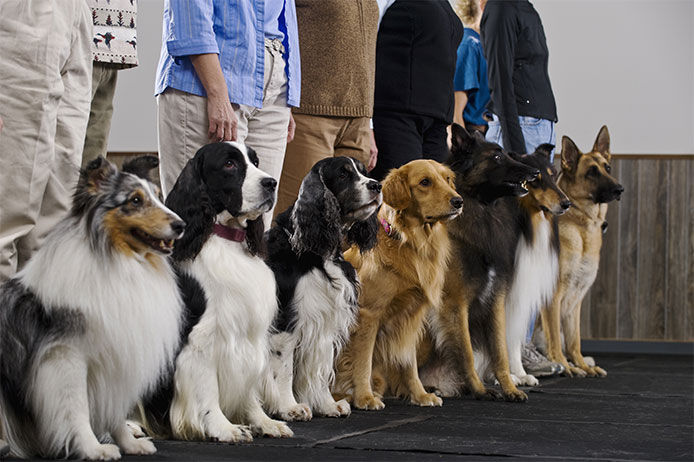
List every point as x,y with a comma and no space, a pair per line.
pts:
625,63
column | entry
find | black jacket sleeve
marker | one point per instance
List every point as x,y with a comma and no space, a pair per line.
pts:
500,31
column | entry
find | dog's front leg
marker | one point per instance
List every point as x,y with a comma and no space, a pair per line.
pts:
129,444
410,377
61,403
499,352
262,424
572,334
550,318
362,350
278,394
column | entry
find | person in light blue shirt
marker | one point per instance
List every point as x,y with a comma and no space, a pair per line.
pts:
229,70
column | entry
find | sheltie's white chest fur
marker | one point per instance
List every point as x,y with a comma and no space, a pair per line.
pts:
536,270
132,312
241,305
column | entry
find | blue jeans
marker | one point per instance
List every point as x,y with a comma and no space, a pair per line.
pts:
535,132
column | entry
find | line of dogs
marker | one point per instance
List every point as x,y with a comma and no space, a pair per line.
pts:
187,318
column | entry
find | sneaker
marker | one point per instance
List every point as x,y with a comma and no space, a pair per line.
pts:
536,364
4,448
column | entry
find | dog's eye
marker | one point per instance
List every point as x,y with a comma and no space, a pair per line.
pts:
608,169
229,165
136,201
425,182
592,171
497,158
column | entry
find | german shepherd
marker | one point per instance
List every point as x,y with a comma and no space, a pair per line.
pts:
587,181
484,240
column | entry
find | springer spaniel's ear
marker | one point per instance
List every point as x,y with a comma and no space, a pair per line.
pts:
396,191
141,166
255,233
189,199
364,233
315,217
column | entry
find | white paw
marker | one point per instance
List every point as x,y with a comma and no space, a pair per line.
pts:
139,446
231,433
336,409
527,381
274,429
135,429
300,412
101,452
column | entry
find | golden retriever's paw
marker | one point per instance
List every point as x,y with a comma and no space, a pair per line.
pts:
139,446
299,412
101,452
368,402
515,396
274,429
231,433
427,399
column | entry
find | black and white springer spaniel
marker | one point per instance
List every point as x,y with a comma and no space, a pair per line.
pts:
230,299
317,288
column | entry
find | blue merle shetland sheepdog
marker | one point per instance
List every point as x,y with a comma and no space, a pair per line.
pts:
92,322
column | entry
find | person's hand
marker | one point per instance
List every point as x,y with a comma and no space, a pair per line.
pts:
223,121
291,129
373,153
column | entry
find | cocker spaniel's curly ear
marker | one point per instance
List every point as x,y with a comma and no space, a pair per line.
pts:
364,233
141,166
255,237
396,191
315,217
189,199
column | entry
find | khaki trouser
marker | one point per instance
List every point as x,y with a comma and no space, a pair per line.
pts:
316,138
45,87
104,79
183,124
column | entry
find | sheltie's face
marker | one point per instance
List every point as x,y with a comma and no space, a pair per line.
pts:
125,211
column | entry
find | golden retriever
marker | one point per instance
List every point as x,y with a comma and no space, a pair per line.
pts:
402,280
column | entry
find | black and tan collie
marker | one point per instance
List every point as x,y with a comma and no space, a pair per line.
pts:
230,301
92,322
317,287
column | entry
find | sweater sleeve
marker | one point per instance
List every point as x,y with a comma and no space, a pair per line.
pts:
499,30
191,28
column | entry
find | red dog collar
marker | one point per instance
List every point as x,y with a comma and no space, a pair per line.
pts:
231,234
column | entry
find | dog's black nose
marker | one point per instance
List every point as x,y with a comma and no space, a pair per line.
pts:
374,186
269,183
457,202
178,226
618,190
565,204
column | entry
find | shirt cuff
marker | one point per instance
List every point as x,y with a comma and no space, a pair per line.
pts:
191,47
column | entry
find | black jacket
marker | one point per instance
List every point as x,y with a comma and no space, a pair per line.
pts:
415,58
516,51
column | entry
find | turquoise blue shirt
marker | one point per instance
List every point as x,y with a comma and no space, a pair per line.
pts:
471,77
235,30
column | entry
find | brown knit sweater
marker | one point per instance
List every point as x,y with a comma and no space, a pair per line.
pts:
338,56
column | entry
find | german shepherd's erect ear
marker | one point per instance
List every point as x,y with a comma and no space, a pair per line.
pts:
569,155
545,149
602,143
396,190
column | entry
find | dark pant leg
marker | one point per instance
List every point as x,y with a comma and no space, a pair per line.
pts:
398,139
434,145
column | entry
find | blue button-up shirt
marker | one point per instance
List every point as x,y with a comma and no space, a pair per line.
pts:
234,30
